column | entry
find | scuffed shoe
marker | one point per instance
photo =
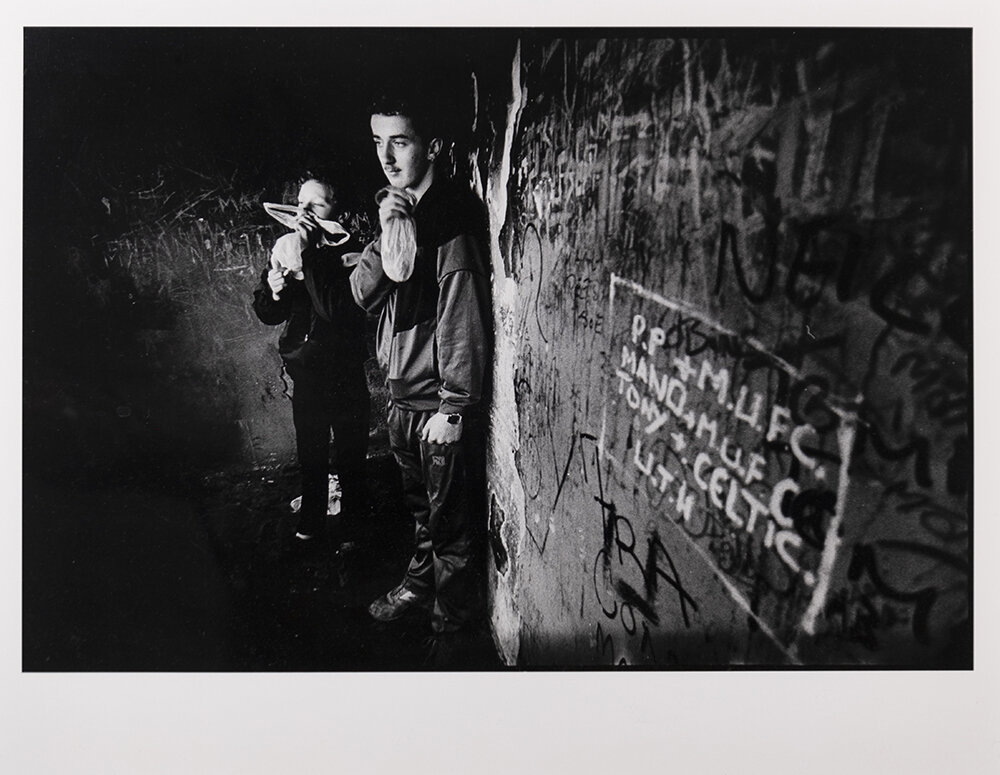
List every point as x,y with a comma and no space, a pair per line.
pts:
396,602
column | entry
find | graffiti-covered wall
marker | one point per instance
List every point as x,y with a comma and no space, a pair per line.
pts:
732,292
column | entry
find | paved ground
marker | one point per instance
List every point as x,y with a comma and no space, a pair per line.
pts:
196,574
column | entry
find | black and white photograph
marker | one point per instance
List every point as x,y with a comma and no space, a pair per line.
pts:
361,355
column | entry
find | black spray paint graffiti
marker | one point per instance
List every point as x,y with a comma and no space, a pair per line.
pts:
630,579
855,273
875,604
777,219
927,383
772,199
497,520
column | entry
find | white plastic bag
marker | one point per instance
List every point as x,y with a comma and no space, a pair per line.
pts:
399,244
334,233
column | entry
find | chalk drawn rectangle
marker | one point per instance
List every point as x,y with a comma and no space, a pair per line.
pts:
741,453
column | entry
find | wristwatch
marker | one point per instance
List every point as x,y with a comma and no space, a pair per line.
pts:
454,419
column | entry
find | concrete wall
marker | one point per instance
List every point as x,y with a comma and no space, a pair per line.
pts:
141,351
151,355
732,305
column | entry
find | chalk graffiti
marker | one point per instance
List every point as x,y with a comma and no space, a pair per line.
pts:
738,471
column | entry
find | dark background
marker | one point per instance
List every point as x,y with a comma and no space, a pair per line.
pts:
157,448
126,128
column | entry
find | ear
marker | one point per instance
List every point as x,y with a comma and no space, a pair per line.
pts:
434,148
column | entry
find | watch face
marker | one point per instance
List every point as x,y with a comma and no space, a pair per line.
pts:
454,419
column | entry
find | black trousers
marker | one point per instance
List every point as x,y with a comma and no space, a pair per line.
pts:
321,404
443,486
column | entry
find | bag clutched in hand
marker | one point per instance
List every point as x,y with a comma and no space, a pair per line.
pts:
286,255
399,242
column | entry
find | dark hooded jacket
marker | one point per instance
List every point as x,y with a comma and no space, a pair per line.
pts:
324,328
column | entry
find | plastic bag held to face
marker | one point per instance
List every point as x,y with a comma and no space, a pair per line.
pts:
334,233
286,256
399,244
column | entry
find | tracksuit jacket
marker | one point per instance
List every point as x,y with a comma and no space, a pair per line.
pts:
434,333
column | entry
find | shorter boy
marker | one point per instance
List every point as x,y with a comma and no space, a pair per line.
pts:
306,286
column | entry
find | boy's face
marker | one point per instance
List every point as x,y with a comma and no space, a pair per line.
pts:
404,155
317,198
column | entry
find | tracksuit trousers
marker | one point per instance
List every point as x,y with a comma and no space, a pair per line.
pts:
442,484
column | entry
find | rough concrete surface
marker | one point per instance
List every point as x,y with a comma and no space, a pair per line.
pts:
204,577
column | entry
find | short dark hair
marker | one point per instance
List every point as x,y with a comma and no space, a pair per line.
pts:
426,108
334,174
321,173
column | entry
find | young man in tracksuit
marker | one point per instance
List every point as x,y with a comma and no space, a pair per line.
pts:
435,338
323,349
